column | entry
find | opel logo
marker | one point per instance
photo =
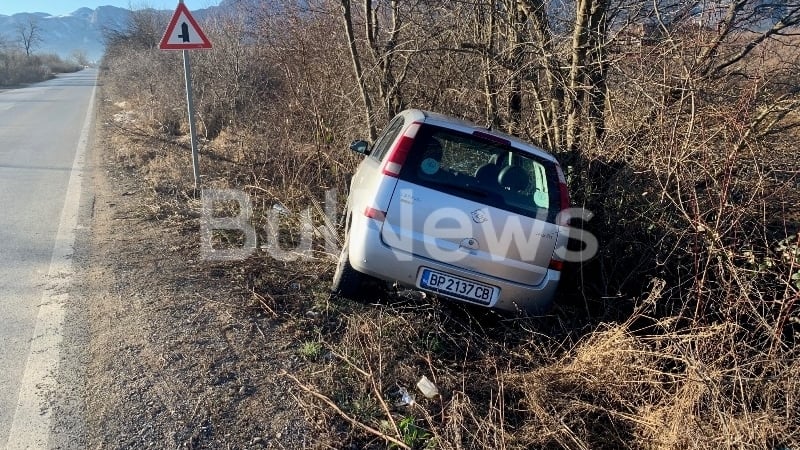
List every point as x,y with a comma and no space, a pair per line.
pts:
479,216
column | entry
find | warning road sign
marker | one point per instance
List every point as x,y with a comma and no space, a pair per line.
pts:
183,32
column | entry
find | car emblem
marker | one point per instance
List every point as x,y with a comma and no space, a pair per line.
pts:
479,216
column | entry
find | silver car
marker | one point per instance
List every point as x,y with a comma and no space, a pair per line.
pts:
444,206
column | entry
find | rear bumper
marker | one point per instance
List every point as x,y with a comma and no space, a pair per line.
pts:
369,255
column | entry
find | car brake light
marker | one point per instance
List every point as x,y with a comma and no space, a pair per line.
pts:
397,156
376,214
491,137
558,264
564,194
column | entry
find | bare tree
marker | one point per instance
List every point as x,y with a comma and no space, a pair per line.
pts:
382,65
144,29
80,57
355,58
385,51
586,84
29,35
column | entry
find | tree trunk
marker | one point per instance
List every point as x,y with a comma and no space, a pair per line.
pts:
587,72
598,73
383,55
484,32
514,101
359,73
553,76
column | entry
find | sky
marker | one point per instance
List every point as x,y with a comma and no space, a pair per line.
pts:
59,7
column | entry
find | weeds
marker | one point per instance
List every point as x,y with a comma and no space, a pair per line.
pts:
681,333
414,436
310,350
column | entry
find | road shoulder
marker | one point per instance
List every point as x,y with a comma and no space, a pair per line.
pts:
178,354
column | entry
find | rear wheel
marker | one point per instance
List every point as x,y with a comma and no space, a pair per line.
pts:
346,281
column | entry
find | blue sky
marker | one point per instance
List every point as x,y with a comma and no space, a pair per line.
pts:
9,7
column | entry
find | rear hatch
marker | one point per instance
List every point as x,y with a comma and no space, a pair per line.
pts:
476,202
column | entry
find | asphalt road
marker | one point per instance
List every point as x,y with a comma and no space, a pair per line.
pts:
43,136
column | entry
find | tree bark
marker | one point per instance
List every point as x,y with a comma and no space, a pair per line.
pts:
535,10
359,73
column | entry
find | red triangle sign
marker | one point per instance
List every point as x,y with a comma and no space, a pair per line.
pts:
183,32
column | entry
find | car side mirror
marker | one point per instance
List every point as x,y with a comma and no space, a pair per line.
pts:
361,147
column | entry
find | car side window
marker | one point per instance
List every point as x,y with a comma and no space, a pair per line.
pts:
386,138
539,189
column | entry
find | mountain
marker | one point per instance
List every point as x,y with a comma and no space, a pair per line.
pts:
81,30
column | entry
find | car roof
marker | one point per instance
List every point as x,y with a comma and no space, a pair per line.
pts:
465,126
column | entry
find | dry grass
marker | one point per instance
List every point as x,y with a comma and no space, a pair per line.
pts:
681,333
649,373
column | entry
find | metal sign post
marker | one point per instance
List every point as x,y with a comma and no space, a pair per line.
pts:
188,37
187,69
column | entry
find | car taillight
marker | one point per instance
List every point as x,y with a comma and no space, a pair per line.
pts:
564,217
564,194
376,214
397,156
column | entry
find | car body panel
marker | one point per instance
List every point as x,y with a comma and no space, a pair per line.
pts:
469,234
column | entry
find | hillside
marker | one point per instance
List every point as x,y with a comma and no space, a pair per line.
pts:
81,30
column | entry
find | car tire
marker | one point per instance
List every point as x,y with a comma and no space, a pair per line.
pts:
346,281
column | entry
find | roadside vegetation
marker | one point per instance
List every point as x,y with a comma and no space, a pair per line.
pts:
19,64
678,130
16,68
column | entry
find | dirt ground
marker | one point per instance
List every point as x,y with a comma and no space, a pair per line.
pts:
180,354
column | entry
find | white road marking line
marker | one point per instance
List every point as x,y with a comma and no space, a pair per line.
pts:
32,417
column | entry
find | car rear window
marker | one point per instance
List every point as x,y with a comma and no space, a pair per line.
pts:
485,171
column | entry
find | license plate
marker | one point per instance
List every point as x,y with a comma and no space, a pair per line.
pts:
457,287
